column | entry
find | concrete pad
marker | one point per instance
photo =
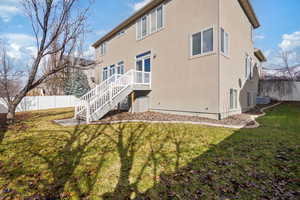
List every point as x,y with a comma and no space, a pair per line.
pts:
70,122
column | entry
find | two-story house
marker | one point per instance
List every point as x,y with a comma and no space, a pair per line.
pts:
194,57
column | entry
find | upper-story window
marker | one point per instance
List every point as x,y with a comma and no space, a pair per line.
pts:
224,42
249,65
103,49
202,42
150,23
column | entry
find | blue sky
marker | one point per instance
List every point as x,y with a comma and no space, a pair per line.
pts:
280,20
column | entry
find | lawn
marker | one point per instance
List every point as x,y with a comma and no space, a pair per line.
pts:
42,160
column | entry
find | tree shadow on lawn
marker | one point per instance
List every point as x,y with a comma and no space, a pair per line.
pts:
64,163
80,162
3,126
140,137
260,163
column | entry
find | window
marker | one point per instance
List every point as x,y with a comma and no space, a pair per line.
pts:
104,74
144,26
150,23
254,99
248,63
160,18
139,29
112,70
224,42
103,49
248,99
153,21
208,40
233,99
196,49
202,42
120,68
251,68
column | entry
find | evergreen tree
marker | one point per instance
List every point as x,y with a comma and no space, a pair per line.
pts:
77,84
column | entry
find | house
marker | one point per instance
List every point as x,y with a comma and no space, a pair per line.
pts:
194,57
55,84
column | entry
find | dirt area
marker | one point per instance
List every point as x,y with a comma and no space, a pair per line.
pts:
237,120
155,116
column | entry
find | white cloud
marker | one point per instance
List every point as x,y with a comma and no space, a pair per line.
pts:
89,53
290,41
19,45
140,4
9,9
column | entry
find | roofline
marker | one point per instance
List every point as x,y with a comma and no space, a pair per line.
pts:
260,55
245,4
248,9
128,21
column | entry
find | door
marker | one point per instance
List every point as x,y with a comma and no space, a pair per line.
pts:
143,68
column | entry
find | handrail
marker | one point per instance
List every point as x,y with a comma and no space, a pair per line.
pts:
105,92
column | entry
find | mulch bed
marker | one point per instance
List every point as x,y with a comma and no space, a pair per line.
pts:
235,120
156,116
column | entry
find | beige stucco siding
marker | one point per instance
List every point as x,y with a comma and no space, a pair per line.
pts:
179,83
232,68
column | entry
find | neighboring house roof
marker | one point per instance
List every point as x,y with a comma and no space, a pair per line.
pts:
260,55
245,4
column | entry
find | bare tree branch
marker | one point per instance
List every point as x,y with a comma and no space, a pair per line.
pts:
57,27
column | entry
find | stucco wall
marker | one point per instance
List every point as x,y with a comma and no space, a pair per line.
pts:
178,82
232,68
183,84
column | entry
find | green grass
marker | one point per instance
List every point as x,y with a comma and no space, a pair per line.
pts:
41,159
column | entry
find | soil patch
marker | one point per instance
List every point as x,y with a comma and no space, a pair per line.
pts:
235,120
240,119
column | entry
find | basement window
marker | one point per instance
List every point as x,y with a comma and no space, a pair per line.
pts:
233,99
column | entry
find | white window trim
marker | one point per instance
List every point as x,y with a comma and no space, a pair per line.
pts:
105,69
235,101
226,44
191,43
149,24
163,16
249,99
120,65
104,46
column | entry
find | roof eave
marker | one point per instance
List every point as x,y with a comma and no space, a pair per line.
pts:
245,4
260,55
128,21
248,9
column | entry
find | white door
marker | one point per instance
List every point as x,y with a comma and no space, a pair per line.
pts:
143,67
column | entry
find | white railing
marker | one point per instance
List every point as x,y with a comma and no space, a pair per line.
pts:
105,92
142,78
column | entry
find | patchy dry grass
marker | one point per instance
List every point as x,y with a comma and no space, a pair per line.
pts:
41,160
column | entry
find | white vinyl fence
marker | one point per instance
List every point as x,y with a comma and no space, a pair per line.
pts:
41,102
280,90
